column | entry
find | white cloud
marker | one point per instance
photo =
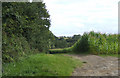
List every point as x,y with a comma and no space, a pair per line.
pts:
77,16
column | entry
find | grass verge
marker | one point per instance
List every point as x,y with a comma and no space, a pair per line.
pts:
42,65
113,55
60,50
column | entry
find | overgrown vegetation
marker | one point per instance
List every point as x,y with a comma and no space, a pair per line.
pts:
26,35
64,41
25,29
93,43
97,43
64,50
42,65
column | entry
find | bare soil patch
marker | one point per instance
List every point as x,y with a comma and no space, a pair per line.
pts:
96,65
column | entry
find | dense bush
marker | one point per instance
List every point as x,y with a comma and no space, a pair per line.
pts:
82,44
14,47
25,29
54,51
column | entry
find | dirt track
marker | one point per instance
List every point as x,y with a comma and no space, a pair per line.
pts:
96,66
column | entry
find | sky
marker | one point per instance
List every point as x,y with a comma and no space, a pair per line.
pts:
70,17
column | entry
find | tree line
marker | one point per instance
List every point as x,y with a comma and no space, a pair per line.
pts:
64,41
25,29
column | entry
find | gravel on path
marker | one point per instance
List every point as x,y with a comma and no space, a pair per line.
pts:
96,65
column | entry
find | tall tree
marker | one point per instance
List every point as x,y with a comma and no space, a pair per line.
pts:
31,21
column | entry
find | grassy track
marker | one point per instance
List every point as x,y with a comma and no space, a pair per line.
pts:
42,65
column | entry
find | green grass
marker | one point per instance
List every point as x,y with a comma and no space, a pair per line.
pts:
42,65
54,51
69,51
105,55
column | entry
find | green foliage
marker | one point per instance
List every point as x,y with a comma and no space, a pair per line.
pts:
60,43
118,43
25,29
65,42
42,65
97,43
14,47
82,44
113,55
54,51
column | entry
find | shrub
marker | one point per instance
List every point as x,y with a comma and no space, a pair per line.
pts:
82,44
14,47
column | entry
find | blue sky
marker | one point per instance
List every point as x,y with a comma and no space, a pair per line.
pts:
69,17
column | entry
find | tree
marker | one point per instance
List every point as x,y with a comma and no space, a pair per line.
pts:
25,23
